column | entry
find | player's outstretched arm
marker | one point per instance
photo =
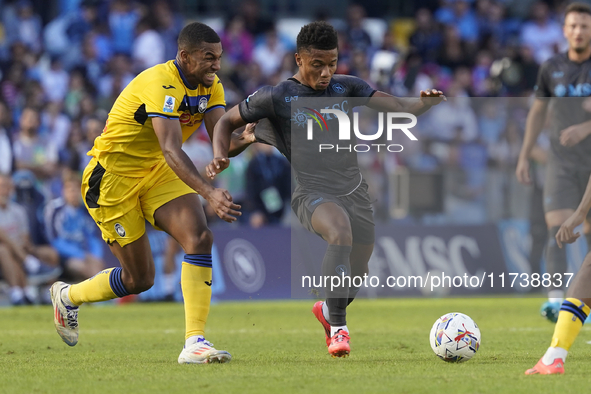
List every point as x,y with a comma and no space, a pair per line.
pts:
242,140
239,140
417,106
221,140
533,126
170,138
566,232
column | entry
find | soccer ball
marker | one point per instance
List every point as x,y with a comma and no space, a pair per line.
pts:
455,337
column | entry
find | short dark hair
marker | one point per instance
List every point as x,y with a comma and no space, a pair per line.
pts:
577,7
196,33
317,35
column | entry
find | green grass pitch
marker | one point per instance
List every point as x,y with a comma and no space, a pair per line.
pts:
278,347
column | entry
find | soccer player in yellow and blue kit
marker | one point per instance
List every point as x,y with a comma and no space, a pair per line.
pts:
139,172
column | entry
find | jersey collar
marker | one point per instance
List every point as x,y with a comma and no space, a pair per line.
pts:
309,87
572,61
187,84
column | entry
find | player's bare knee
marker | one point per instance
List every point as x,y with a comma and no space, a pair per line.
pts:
200,242
339,235
206,239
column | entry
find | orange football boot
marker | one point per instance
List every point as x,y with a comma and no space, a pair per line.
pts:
317,311
557,367
339,344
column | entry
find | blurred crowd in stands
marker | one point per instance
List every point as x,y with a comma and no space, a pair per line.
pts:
61,71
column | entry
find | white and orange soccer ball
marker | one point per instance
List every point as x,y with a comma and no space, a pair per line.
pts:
455,337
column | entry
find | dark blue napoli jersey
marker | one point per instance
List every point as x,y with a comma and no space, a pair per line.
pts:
569,85
283,124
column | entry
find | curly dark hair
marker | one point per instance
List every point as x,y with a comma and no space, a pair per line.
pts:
196,33
317,35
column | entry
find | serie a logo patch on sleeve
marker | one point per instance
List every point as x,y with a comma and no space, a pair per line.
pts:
168,104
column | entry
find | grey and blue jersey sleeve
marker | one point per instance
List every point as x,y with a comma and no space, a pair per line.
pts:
542,88
258,105
360,88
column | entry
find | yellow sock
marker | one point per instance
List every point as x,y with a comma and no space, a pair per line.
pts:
571,318
196,285
104,286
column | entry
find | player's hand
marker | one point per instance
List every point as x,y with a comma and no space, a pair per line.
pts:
217,165
432,97
248,133
522,171
220,201
565,234
573,135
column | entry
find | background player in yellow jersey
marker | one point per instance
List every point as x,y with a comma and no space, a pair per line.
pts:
139,172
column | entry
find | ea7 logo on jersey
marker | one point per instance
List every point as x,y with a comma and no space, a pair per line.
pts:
168,104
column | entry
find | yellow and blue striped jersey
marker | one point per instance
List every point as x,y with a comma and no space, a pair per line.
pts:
128,145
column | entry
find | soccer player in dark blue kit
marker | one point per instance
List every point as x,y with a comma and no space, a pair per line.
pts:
331,199
564,83
566,78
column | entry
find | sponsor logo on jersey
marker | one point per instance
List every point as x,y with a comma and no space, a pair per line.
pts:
168,104
578,90
559,90
120,230
185,118
202,105
168,87
557,74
